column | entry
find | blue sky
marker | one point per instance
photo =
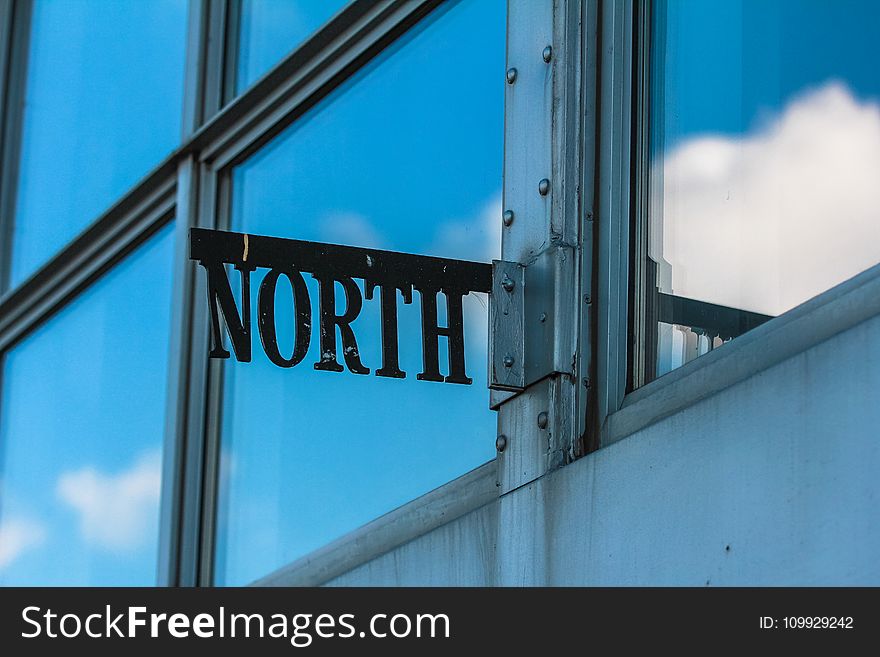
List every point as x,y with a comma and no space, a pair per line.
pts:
82,428
270,28
731,63
102,108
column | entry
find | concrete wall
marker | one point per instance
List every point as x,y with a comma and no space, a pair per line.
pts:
773,480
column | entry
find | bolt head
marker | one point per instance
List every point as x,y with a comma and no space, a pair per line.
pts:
507,283
508,361
543,419
542,317
547,54
501,443
511,75
507,217
544,187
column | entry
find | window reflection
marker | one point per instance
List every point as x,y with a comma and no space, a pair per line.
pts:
765,152
81,426
269,29
395,160
103,102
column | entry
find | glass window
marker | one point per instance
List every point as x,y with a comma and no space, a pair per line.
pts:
81,430
269,29
764,161
395,160
103,105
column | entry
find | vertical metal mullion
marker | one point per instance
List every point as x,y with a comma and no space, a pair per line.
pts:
215,209
214,212
613,204
232,31
183,466
15,27
182,385
15,24
588,426
174,456
196,399
642,344
222,32
198,22
542,140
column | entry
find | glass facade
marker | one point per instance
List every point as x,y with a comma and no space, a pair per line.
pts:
334,451
269,29
764,142
102,107
81,433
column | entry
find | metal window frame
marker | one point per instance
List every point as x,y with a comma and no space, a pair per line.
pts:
626,404
613,185
15,21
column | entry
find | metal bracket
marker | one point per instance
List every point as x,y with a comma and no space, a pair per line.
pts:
532,315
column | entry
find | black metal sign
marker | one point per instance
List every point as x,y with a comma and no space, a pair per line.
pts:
330,264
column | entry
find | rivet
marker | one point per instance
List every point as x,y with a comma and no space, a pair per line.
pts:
501,443
508,361
511,75
542,420
543,317
586,382
507,217
547,54
587,298
507,283
589,216
543,187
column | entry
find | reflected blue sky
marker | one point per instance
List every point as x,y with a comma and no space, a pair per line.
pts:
766,151
406,157
270,29
727,65
81,433
103,106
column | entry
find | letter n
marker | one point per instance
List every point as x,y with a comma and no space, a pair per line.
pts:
221,300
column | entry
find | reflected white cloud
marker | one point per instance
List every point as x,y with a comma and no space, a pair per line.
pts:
476,238
765,221
116,511
18,535
353,229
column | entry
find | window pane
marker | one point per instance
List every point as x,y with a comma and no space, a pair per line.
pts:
270,29
394,160
765,156
103,106
81,426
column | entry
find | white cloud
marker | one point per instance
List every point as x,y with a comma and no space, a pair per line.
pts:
17,535
766,221
116,511
477,238
353,229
